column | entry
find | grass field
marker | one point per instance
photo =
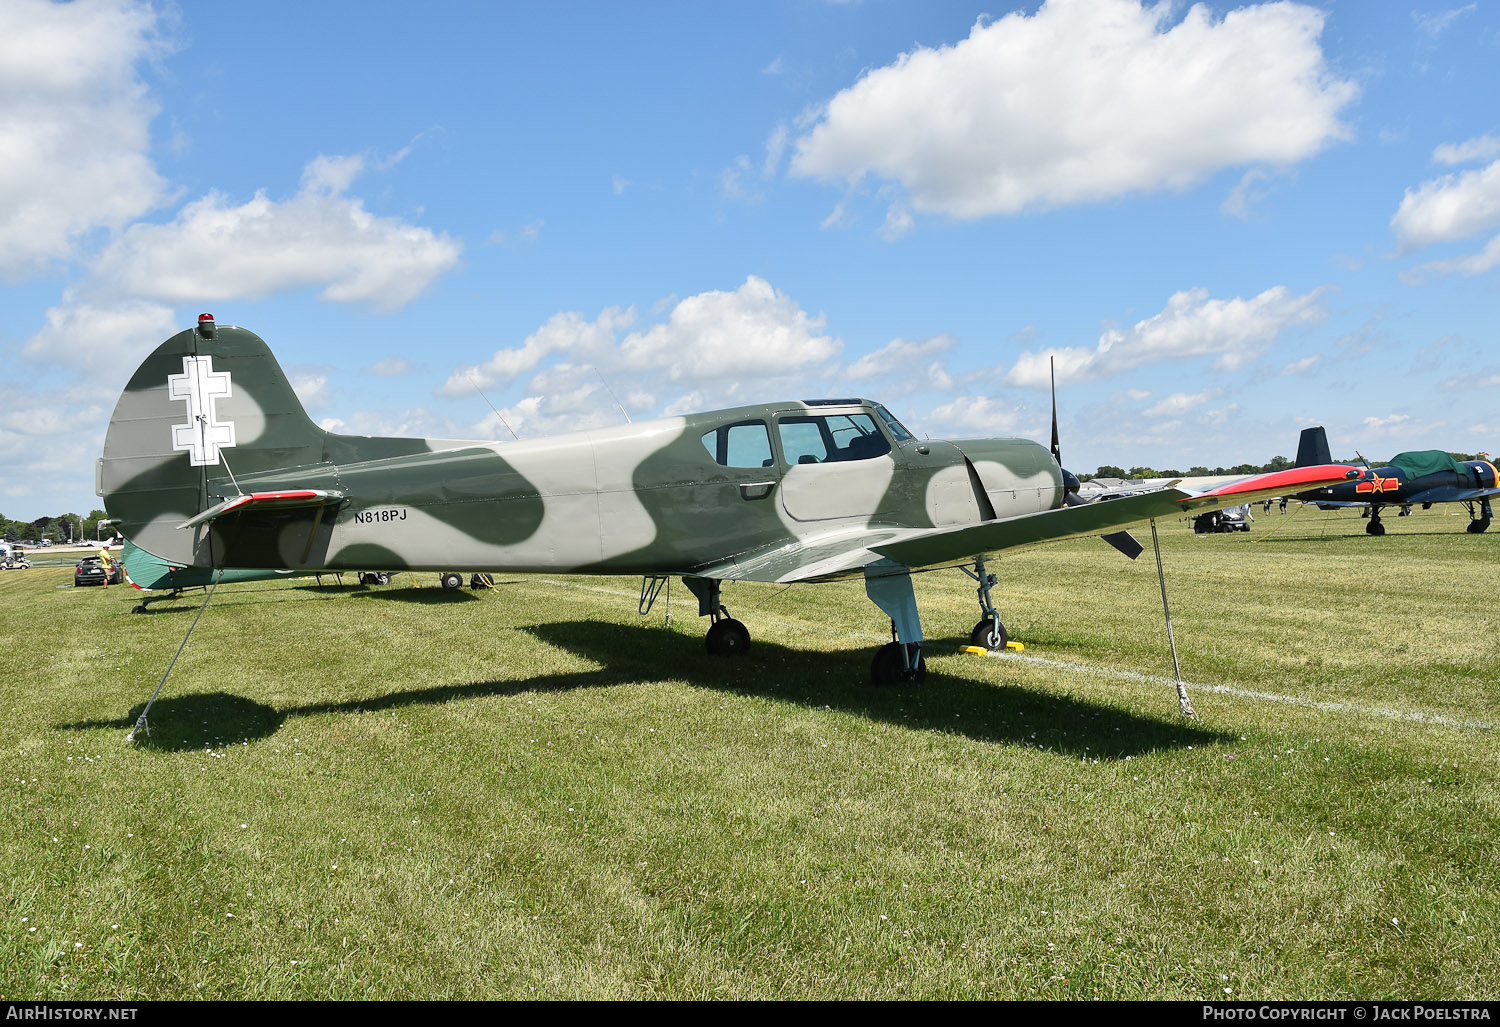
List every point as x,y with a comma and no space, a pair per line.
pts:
400,792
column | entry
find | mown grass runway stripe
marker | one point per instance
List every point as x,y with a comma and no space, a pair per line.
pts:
1121,673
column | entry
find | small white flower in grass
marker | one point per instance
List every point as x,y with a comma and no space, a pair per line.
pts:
229,915
884,917
244,825
31,930
1395,921
114,927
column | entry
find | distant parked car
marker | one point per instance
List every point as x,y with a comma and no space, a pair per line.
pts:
90,571
1236,518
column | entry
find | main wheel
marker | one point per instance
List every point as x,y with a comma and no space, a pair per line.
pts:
990,634
1479,527
481,581
1375,528
452,580
888,668
727,637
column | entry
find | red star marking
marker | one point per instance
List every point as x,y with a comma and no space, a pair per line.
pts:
1379,484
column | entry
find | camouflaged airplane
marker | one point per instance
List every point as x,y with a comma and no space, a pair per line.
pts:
211,462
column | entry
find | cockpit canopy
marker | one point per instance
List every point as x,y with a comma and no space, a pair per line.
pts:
810,437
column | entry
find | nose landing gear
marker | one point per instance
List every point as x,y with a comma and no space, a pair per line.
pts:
989,632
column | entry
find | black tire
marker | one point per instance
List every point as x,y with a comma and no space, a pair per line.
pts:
482,581
981,635
451,580
138,608
1479,527
727,637
1375,528
888,668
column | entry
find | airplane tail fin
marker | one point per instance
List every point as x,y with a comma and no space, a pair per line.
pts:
207,417
1312,448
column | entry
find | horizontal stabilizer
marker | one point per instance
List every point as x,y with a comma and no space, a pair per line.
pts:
290,499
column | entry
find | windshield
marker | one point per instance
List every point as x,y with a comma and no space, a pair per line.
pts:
898,430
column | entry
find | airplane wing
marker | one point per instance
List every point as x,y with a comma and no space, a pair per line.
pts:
842,553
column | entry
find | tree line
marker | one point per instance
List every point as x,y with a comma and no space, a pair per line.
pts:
63,528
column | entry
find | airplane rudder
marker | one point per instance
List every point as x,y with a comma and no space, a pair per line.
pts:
1312,448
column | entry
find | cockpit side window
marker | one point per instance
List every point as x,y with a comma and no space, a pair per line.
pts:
831,439
744,444
897,429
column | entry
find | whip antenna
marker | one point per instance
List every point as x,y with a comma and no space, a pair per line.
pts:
492,407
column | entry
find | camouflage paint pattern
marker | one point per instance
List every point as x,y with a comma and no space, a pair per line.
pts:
210,418
640,498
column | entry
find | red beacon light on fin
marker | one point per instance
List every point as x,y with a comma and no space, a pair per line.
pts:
206,325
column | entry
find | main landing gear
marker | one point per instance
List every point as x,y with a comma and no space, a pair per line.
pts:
989,633
1477,525
726,636
1375,527
899,662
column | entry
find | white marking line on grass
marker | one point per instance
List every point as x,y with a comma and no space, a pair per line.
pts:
1415,716
1418,716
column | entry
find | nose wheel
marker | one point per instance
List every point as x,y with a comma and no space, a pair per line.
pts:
990,634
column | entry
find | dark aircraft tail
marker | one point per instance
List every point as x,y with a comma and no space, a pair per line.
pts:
209,425
1312,448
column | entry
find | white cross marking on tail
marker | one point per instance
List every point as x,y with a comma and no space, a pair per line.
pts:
200,386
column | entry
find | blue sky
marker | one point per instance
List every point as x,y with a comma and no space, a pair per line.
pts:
1224,222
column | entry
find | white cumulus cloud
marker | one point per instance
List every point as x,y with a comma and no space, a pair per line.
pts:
1180,403
74,125
718,348
1236,331
215,249
1082,101
718,335
1448,208
1479,148
897,357
971,415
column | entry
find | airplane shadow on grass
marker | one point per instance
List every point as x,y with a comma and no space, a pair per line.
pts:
628,655
189,602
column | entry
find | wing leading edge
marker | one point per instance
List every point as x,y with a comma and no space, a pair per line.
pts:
843,553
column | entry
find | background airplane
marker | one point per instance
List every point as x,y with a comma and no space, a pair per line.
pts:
211,462
1422,476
